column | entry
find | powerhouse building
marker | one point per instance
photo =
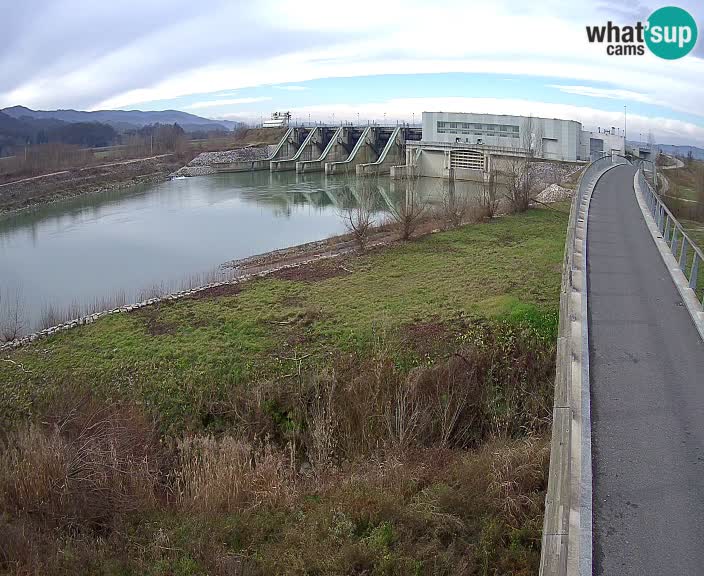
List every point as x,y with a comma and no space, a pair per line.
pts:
548,138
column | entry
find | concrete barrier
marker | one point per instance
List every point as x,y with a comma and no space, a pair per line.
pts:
335,150
567,527
361,153
314,140
393,153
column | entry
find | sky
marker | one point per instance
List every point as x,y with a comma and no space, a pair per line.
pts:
342,61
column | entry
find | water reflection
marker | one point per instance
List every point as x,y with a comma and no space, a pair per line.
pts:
81,252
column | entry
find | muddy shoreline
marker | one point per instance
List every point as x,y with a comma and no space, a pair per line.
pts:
20,196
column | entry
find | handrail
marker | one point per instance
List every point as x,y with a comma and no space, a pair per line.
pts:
673,234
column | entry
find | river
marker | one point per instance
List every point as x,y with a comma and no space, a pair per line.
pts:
101,250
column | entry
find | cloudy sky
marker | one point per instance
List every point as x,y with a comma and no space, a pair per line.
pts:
329,60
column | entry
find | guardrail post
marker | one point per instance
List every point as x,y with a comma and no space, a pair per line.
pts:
666,232
694,273
673,243
683,255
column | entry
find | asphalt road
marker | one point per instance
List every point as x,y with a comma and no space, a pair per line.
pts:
647,387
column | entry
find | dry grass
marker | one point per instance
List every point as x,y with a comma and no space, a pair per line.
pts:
229,475
82,469
361,467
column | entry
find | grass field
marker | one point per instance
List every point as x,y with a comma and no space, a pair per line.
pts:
177,355
386,413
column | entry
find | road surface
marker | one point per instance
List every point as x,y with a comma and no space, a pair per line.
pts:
647,387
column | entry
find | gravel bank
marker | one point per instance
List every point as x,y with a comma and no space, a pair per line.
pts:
202,164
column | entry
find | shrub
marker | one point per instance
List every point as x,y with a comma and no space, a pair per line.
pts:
82,469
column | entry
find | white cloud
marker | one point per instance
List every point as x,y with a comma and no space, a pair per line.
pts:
610,93
291,88
282,44
226,102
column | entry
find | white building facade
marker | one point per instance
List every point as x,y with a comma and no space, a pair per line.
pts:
548,138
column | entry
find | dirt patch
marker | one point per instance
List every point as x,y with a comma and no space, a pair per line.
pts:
217,292
314,272
154,324
426,337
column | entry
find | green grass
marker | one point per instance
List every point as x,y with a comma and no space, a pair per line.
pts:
368,502
174,357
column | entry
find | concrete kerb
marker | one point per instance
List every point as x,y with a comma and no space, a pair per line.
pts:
688,295
567,532
90,318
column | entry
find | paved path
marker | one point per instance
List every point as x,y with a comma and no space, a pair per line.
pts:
647,379
678,164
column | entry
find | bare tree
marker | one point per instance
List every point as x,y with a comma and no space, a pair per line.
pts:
532,137
520,178
359,215
520,170
488,200
11,316
410,212
454,206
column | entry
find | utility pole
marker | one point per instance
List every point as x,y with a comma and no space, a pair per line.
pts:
624,128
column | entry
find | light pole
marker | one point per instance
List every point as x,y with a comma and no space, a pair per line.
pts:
384,118
414,119
357,118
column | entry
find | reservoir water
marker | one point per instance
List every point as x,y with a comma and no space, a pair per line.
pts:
100,250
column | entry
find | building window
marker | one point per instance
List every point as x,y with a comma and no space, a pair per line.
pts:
494,130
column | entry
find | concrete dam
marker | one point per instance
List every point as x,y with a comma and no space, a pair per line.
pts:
360,150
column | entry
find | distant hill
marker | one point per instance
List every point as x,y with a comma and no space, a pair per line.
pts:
15,133
123,120
681,151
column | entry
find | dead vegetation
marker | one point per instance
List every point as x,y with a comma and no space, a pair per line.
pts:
410,213
361,466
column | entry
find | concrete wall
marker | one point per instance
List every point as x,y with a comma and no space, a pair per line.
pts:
338,149
392,154
610,142
364,152
311,148
559,139
435,163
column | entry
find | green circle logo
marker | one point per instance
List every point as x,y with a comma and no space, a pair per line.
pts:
670,32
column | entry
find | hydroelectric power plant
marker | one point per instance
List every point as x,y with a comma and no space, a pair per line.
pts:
461,146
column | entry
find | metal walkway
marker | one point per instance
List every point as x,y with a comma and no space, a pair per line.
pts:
647,394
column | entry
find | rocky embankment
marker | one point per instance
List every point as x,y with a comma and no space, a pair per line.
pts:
203,164
554,193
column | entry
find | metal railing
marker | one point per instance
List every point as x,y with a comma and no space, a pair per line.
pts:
688,255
